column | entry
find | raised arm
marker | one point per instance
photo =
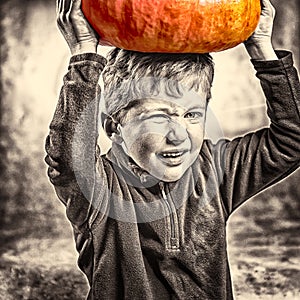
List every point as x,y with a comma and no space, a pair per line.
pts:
71,143
257,160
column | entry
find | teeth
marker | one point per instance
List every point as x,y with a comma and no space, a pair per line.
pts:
172,154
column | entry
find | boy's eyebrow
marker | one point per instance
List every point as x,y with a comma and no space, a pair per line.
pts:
160,109
168,111
146,111
197,107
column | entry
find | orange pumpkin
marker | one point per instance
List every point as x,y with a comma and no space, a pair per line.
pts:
178,26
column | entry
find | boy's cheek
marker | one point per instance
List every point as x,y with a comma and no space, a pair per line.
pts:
145,143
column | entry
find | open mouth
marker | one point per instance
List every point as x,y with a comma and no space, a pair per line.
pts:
169,155
172,158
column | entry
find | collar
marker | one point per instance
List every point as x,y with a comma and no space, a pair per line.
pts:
131,171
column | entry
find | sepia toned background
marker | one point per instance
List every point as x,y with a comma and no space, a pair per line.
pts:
37,256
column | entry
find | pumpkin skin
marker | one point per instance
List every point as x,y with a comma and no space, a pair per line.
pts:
173,26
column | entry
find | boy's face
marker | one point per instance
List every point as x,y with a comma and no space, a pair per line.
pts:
164,137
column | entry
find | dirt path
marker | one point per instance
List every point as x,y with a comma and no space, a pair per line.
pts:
41,269
264,253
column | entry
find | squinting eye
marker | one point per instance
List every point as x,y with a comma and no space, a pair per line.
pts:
159,119
193,115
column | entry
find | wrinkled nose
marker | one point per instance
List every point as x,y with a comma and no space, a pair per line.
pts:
177,133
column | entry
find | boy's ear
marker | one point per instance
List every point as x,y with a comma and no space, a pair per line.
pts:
111,128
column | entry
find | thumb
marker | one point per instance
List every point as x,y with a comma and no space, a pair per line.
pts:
76,4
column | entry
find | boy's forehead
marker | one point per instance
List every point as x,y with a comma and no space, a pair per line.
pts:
189,98
130,93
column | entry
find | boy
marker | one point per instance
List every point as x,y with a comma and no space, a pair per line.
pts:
149,217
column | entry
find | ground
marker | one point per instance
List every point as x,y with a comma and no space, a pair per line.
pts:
264,253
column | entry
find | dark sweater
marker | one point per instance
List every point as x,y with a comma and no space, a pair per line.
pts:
161,240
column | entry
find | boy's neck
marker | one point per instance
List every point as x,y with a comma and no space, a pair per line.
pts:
139,177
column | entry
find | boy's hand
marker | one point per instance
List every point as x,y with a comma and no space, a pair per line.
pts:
259,44
76,30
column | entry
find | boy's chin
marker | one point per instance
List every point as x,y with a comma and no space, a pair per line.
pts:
172,176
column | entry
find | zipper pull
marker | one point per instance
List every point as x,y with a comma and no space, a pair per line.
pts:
162,189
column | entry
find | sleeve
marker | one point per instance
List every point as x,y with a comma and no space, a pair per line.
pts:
254,162
71,143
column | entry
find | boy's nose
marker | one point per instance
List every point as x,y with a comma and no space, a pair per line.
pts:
177,133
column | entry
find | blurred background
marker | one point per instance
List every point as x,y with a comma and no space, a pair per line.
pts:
37,256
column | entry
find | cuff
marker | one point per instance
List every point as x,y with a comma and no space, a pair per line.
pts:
86,67
88,57
285,60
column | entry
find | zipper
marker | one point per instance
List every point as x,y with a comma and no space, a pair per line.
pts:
173,234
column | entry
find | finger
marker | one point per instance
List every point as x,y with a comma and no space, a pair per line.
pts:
58,6
65,6
273,10
76,4
59,9
267,6
267,9
76,8
69,7
76,15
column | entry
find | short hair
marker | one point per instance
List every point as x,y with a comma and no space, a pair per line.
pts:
130,76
